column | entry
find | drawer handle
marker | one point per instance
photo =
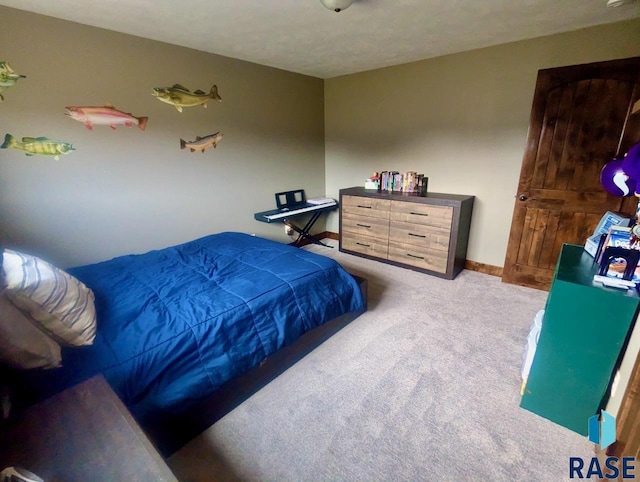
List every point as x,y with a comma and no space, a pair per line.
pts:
414,256
418,214
363,225
417,235
365,245
366,207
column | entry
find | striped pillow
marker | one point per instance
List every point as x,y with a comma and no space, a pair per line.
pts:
62,305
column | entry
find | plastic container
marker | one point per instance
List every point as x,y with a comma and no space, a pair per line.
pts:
530,348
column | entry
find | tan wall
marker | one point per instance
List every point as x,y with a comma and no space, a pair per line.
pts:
461,119
128,191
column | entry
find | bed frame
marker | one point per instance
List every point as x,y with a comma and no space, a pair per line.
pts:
171,433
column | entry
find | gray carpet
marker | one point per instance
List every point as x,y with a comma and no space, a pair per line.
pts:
424,386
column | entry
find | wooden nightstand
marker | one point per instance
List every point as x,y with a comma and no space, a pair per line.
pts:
84,433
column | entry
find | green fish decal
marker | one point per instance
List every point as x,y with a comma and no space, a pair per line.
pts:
38,145
179,96
8,77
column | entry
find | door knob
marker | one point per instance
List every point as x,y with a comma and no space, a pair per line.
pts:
522,197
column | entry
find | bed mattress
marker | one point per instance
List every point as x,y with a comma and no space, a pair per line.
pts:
175,324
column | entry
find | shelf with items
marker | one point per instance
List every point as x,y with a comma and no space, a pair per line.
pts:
582,338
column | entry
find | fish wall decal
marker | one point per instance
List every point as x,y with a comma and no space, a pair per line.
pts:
179,96
104,115
8,77
38,145
202,143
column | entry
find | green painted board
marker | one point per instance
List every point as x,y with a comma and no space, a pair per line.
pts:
584,330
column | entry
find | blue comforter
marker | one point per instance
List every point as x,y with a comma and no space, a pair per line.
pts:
175,324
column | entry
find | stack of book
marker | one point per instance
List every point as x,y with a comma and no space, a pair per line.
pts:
406,182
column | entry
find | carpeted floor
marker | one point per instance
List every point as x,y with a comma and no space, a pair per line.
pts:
424,386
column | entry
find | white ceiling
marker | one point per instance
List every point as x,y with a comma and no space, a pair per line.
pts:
303,36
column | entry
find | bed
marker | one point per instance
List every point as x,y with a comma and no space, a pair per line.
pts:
186,333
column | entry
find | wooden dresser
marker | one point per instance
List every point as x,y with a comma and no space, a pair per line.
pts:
425,233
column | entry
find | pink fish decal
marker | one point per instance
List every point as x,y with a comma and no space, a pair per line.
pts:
106,115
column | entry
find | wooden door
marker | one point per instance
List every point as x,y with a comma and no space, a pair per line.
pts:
581,118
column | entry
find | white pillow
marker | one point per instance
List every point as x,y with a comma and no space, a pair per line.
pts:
63,306
22,344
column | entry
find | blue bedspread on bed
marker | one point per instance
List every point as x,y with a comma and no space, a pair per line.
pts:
175,324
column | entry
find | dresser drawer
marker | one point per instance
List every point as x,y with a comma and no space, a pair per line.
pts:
364,244
366,206
425,258
420,235
427,214
365,225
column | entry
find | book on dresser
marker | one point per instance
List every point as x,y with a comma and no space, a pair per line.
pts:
406,182
427,233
